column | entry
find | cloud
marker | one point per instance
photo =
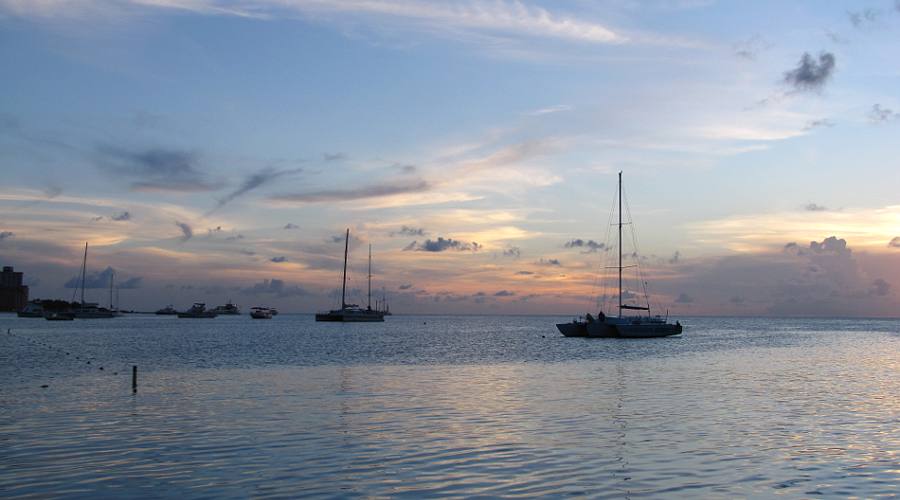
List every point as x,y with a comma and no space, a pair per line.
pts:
895,242
121,217
880,288
410,231
551,109
549,262
9,234
751,47
591,245
811,75
373,191
504,293
254,181
334,156
247,252
235,237
291,225
442,244
186,231
675,257
524,273
275,287
863,18
279,259
102,279
881,115
823,122
812,207
684,298
514,252
405,286
155,169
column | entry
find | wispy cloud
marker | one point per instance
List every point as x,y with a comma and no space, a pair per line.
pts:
187,232
359,193
409,231
442,244
275,287
879,114
279,259
155,169
121,217
551,109
813,207
254,181
102,279
590,246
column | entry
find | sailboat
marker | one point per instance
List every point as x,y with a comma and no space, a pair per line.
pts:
622,325
352,312
90,310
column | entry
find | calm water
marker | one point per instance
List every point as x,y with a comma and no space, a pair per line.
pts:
447,406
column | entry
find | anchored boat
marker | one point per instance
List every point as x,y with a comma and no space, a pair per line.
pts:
623,325
351,312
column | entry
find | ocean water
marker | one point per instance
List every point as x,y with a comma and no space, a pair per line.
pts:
447,406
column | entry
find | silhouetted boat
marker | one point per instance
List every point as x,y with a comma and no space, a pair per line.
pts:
167,311
60,316
638,326
198,310
228,309
31,310
90,310
261,313
351,312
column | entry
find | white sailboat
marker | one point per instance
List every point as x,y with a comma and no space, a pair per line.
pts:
351,312
623,325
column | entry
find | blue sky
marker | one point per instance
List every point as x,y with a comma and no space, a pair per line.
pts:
499,125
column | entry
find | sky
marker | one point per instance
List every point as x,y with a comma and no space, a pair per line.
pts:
213,150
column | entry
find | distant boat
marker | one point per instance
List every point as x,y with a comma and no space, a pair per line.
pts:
32,310
90,310
261,313
167,311
351,312
228,309
60,316
636,326
198,310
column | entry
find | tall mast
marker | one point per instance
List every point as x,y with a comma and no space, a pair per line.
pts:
620,244
83,272
369,305
112,280
344,279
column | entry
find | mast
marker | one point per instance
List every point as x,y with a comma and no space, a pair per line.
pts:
112,280
344,279
83,272
620,244
369,305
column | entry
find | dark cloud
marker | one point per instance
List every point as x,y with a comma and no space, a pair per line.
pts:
275,287
504,293
811,75
830,245
155,169
247,252
549,262
812,124
894,243
880,288
410,231
279,259
255,181
97,218
812,207
684,298
187,232
863,18
514,252
9,234
374,191
291,225
441,244
405,286
524,273
591,246
879,114
334,156
102,279
235,237
675,257
121,217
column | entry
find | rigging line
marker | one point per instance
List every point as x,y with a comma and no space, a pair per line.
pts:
640,271
604,299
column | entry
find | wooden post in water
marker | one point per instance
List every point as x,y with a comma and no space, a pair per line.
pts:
134,378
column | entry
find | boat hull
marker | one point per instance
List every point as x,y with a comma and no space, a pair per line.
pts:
601,330
197,315
60,316
572,329
646,331
350,316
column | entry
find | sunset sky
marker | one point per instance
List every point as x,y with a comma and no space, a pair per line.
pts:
218,149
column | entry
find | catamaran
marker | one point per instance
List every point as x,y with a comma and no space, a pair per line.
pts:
622,325
352,312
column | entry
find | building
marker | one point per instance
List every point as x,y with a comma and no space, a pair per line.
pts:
13,295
